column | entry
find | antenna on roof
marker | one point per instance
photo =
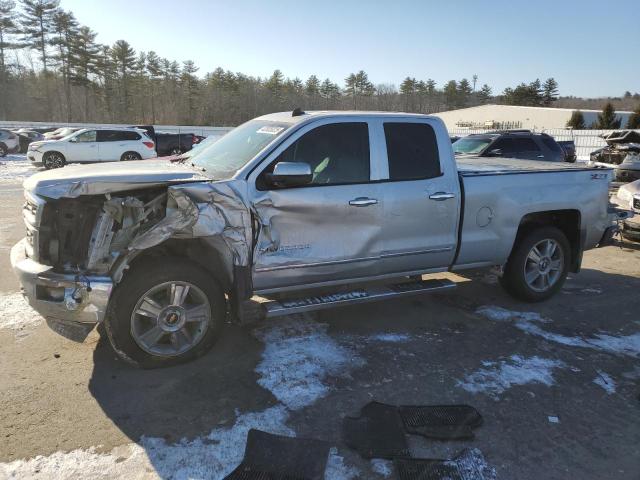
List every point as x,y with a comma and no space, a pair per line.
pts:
297,112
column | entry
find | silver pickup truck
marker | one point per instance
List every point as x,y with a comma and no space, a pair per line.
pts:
292,212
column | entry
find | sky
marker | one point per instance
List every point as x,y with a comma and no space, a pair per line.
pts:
589,47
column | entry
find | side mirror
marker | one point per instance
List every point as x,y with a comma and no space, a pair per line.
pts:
73,140
290,174
496,152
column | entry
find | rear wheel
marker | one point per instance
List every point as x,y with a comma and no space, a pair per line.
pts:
175,151
538,266
130,156
3,150
53,160
164,313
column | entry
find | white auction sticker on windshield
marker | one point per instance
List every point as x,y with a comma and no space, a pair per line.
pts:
270,130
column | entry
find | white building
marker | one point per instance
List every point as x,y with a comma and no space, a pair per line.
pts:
510,116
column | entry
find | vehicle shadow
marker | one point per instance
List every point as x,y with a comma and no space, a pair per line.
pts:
182,402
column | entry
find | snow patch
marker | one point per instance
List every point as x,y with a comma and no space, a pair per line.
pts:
337,469
497,377
527,322
15,168
210,457
605,381
382,467
16,314
298,356
390,337
472,465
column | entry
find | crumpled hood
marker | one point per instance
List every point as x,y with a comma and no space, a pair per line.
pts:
75,180
627,192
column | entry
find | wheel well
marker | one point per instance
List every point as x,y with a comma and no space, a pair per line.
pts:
46,154
130,151
207,253
568,221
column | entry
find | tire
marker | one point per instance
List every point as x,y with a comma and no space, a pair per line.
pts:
128,156
3,150
175,151
126,328
53,160
524,278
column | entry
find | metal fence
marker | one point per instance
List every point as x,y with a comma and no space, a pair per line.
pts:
586,140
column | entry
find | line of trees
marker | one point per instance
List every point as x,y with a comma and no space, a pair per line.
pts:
52,69
606,120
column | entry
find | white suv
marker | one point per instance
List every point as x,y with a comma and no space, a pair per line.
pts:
9,142
91,145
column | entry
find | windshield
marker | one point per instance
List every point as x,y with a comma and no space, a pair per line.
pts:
471,145
223,158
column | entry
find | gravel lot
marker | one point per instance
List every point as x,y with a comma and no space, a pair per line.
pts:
557,382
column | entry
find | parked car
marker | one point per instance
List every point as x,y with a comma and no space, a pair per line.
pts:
174,143
60,133
92,145
327,203
628,196
569,149
622,153
197,148
26,137
522,144
9,142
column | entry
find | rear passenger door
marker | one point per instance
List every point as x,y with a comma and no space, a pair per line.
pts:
421,198
113,143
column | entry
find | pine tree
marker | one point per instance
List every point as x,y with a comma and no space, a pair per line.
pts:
275,84
607,120
634,119
312,86
123,58
451,94
37,26
64,29
83,63
484,95
576,121
8,30
190,88
463,93
549,91
357,85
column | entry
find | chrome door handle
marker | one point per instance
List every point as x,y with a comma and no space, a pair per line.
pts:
439,196
362,202
540,156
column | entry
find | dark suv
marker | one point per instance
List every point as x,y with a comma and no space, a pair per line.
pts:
511,144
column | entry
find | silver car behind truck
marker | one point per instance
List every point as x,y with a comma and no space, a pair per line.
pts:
293,212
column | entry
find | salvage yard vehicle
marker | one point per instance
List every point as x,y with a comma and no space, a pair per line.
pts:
628,196
90,145
511,144
174,143
622,153
288,213
9,142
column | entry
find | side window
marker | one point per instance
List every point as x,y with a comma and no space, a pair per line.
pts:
130,136
412,151
551,144
505,145
89,136
526,145
111,136
337,154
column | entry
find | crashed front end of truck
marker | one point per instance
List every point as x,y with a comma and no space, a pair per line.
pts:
83,234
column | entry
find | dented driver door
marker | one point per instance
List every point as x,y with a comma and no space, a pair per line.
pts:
328,231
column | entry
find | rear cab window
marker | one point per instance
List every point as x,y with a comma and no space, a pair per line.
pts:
412,151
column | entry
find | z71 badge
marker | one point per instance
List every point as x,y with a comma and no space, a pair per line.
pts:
599,176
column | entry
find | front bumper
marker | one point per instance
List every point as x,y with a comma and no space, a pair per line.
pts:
72,304
35,157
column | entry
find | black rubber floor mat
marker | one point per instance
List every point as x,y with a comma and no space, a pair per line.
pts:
417,469
275,457
444,422
377,432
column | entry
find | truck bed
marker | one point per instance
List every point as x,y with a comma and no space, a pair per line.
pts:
477,166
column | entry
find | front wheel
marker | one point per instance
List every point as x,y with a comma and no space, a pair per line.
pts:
538,266
53,160
165,313
3,150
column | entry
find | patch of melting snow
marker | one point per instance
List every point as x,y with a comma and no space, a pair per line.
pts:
16,314
337,469
390,337
605,381
209,457
15,168
496,377
472,465
382,467
298,356
527,322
